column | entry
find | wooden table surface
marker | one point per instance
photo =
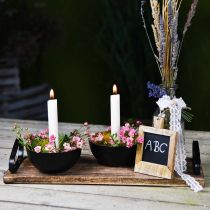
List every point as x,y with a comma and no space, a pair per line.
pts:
43,197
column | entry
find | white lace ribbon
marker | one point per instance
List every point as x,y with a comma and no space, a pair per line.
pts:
175,106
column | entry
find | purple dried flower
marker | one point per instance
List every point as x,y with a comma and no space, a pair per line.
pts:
155,90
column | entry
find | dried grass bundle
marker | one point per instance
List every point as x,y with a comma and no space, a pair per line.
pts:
165,15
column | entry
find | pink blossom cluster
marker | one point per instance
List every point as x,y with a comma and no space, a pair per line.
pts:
76,143
42,142
50,147
29,137
102,138
128,136
37,149
43,134
96,137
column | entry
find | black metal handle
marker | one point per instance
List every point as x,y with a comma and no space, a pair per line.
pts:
196,158
16,157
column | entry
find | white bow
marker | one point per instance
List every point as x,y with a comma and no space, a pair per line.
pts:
165,102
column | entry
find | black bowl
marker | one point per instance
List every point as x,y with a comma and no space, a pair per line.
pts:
54,162
113,156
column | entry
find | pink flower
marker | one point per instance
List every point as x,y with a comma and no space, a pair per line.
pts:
132,132
76,138
92,136
122,133
37,149
46,131
125,128
52,139
99,137
140,140
108,129
129,145
129,142
79,144
129,139
42,135
138,122
123,139
127,125
50,148
67,147
86,124
111,142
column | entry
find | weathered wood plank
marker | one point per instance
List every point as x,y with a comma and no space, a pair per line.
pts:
4,157
180,195
88,171
7,124
128,197
168,195
83,200
28,206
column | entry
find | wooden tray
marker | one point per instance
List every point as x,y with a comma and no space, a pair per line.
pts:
89,172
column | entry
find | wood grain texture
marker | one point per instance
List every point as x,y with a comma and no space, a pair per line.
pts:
88,171
158,122
151,168
49,196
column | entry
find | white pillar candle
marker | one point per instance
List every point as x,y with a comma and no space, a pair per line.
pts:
52,106
115,112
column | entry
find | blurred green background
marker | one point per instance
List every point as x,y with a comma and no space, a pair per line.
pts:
97,43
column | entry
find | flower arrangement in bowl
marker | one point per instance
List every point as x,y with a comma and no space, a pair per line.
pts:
44,155
110,150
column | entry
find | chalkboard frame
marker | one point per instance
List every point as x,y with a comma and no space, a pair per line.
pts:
154,169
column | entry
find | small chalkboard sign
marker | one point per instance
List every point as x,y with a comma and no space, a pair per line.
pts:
156,155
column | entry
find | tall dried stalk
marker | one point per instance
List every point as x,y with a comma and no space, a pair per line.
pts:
165,15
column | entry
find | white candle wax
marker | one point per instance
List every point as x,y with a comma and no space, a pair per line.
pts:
115,113
53,119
